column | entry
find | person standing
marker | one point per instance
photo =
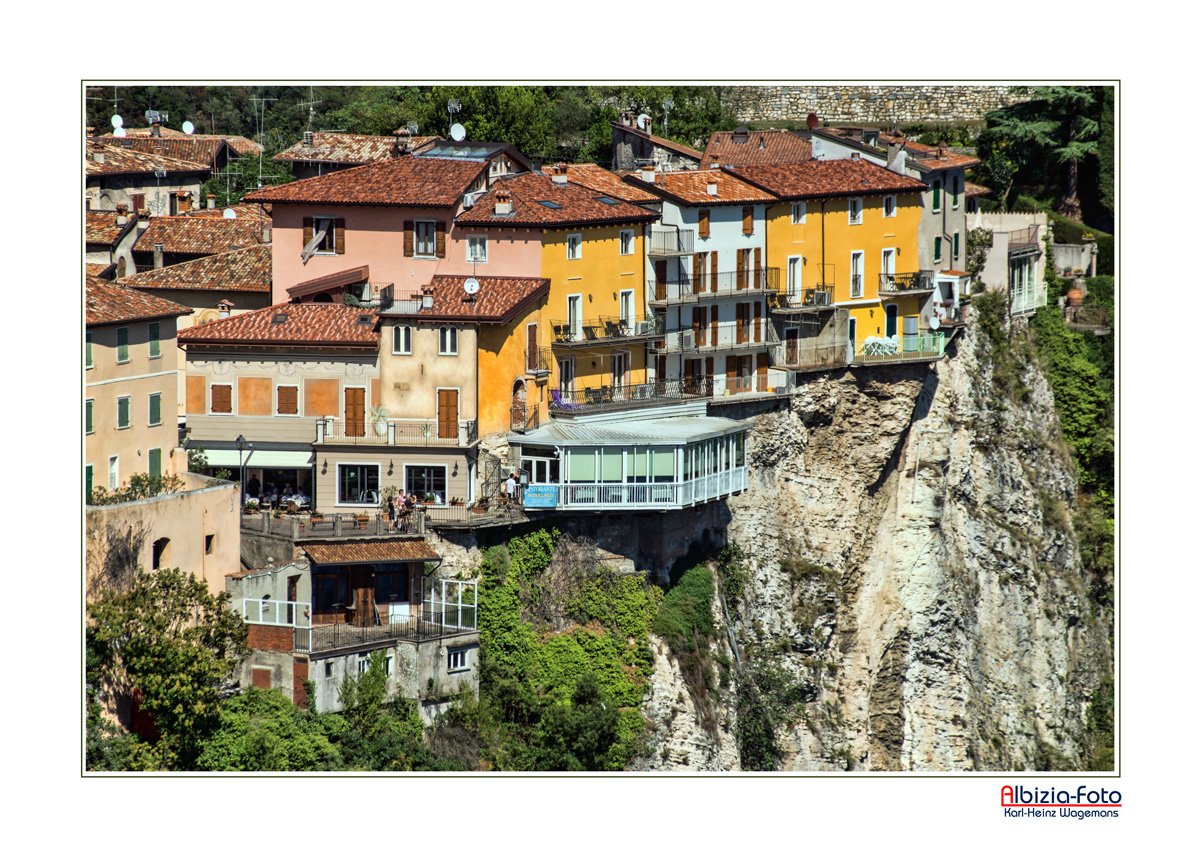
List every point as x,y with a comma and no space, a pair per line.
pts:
510,488
391,514
253,487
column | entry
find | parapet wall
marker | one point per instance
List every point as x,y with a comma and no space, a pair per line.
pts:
867,104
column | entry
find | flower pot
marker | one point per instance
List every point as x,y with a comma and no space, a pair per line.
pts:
1075,297
381,428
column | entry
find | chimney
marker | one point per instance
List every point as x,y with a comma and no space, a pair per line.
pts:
895,161
503,201
223,308
537,163
716,163
185,201
98,157
941,153
158,254
712,187
648,174
266,235
155,130
427,297
559,177
308,138
122,214
212,200
400,145
762,141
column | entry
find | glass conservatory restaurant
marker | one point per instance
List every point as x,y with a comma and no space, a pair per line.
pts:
651,464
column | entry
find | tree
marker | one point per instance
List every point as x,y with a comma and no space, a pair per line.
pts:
579,737
261,730
696,114
174,643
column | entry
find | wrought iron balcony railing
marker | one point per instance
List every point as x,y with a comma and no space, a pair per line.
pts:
911,282
719,284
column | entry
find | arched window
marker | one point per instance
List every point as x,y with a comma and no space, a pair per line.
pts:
161,553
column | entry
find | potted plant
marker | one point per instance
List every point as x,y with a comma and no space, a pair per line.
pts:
361,519
427,430
316,516
456,501
429,497
278,513
250,507
379,415
481,505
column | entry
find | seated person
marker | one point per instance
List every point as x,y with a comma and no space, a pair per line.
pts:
300,497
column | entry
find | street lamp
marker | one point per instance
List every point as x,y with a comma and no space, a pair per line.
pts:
241,443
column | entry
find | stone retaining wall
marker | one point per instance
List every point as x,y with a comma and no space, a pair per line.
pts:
867,104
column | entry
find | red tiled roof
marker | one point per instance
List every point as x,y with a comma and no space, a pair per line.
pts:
101,227
691,187
198,150
247,270
814,179
95,269
925,158
759,147
606,182
498,301
972,189
199,235
337,148
239,144
301,324
359,274
118,160
370,550
660,141
249,211
954,273
572,205
109,303
407,180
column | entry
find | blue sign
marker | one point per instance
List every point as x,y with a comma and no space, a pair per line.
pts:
541,497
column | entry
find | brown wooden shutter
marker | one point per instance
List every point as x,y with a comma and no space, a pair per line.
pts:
355,414
748,220
308,232
708,373
758,321
743,316
704,223
222,399
731,371
339,228
714,326
531,347
139,201
660,280
447,413
758,271
287,400
713,264
741,269
441,240
408,238
697,285
763,360
698,324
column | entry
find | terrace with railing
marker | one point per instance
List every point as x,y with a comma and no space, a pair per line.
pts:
1023,240
605,329
900,349
539,362
724,336
793,300
596,399
1094,318
909,283
802,356
334,430
448,621
672,242
744,281
305,526
649,495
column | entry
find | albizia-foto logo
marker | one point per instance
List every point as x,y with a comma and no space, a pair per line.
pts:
1023,802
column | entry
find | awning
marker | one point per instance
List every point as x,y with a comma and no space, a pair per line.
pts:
300,458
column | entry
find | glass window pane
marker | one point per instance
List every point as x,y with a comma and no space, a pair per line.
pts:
581,464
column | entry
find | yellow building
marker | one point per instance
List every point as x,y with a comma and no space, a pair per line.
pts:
845,233
592,252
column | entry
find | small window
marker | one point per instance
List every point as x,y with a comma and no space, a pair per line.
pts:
855,208
937,249
954,196
364,663
937,197
87,349
155,409
329,669
114,473
477,248
402,339
955,245
122,412
161,553
426,238
87,413
154,465
456,659
287,400
222,399
799,212
575,246
889,206
856,274
548,203
328,243
122,344
448,341
626,242
208,544
387,665
155,345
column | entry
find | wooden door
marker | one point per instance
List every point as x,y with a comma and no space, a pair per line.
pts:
743,320
531,347
448,413
356,417
758,321
763,360
660,280
697,273
758,271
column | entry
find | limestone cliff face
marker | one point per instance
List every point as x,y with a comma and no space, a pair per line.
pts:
957,632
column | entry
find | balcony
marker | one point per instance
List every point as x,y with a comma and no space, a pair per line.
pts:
772,382
539,362
321,638
599,399
332,430
793,301
1094,318
725,336
913,283
605,330
303,526
900,349
746,281
803,356
647,495
672,242
1022,242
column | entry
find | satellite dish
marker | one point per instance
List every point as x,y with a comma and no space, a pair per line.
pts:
458,133
229,214
934,323
188,128
812,121
471,286
117,121
119,132
642,120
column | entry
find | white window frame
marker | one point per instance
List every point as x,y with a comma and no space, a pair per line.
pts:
892,198
850,218
862,275
794,287
89,417
154,338
621,303
443,351
420,498
364,663
128,413
571,332
337,482
409,331
471,257
330,235
114,473
954,196
388,667
566,361
577,243
802,208
150,410
87,350
632,242
936,191
458,660
417,254
118,346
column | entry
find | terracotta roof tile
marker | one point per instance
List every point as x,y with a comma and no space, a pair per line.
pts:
606,182
198,150
759,147
925,158
239,144
101,227
249,211
407,180
336,148
972,189
199,235
109,303
815,179
247,270
95,269
300,324
118,160
498,301
955,273
371,550
691,187
570,205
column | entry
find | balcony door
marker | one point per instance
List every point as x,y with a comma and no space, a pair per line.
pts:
889,313
791,337
356,416
575,316
660,280
447,413
887,266
620,369
627,312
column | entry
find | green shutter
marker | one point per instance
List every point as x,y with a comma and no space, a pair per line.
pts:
88,412
664,463
123,412
955,245
155,408
87,482
122,344
937,195
155,463
155,351
610,464
87,346
937,248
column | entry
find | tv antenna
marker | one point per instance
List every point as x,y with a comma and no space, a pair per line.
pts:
471,286
812,121
668,106
311,105
117,121
453,106
260,116
119,132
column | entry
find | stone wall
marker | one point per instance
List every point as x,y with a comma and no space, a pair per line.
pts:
867,104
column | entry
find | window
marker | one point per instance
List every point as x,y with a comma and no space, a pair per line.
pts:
87,349
154,465
208,544
575,316
626,242
122,412
477,248
427,481
328,243
87,483
448,340
937,249
287,400
329,669
330,592
364,663
793,274
456,659
856,274
391,587
799,212
155,409
748,220
155,345
954,197
955,245
402,339
575,246
87,416
889,205
387,665
566,376
358,484
122,344
627,309
222,399
114,473
160,553
426,238
937,196
855,209
704,218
